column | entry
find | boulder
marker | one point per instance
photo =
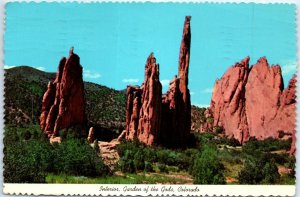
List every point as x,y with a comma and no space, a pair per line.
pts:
91,135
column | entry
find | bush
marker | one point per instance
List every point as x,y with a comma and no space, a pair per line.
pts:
148,167
267,145
270,172
219,129
126,163
138,160
26,162
207,169
260,169
163,168
76,157
150,154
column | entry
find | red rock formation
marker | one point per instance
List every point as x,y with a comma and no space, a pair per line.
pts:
48,100
252,103
63,103
228,101
91,135
153,118
133,107
150,113
263,91
143,109
176,109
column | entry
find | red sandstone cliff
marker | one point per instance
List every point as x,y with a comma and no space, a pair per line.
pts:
63,103
228,101
263,91
252,103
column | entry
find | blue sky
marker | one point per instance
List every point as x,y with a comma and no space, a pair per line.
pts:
114,40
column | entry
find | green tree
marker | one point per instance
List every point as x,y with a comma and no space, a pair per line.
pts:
259,169
207,169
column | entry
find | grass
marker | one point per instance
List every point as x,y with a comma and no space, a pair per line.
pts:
140,178
232,170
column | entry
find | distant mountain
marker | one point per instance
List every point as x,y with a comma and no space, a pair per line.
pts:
24,89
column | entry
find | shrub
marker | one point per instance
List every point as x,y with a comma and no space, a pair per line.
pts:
76,157
150,154
127,145
163,168
207,169
26,162
259,169
138,160
26,135
270,172
266,145
148,167
126,163
219,129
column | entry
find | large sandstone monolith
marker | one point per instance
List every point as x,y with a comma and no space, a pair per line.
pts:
143,108
176,104
252,102
263,91
228,101
63,104
150,113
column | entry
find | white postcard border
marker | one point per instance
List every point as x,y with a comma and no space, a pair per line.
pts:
95,189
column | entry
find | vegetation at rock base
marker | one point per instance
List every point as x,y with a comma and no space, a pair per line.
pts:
207,169
28,157
30,160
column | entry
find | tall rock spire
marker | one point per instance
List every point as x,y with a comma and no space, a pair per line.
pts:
184,56
143,110
63,103
155,118
176,104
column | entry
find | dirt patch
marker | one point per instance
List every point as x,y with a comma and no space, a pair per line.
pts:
231,180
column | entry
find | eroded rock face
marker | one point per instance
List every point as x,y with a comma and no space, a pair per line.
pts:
155,118
133,107
63,103
228,101
263,91
143,111
150,112
252,103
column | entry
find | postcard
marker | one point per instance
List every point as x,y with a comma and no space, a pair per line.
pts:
150,98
